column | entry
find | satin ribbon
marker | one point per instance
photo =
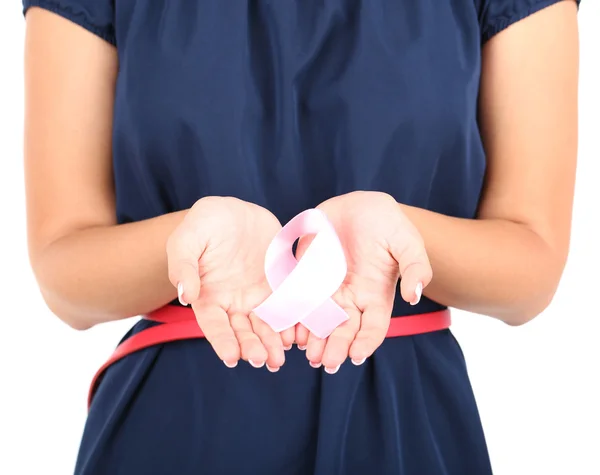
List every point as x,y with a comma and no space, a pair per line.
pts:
302,289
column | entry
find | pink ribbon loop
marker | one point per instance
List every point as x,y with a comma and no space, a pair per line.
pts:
302,289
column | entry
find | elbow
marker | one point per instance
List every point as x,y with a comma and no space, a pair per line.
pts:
538,295
534,303
60,303
69,304
66,312
74,323
57,298
77,325
527,312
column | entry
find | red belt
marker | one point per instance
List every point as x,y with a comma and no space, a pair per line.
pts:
179,323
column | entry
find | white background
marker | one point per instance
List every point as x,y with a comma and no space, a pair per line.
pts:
537,385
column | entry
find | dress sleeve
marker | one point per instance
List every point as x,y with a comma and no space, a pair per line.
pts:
496,15
96,16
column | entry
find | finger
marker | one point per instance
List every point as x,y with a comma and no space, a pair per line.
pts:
288,337
301,336
414,279
252,349
214,323
271,340
184,249
415,271
315,347
338,343
188,284
374,325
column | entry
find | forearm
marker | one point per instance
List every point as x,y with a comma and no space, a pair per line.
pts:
107,273
492,267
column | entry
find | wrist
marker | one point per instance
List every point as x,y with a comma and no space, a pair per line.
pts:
413,214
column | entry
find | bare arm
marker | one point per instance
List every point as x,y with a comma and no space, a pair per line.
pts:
508,263
89,269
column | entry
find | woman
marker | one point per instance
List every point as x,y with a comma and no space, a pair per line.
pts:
428,132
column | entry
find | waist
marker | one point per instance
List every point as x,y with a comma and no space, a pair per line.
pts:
179,323
399,326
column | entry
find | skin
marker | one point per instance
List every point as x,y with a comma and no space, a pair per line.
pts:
506,264
221,272
379,248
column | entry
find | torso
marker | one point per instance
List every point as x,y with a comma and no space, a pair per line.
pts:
288,103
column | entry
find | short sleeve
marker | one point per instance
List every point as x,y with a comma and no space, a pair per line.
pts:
96,16
497,15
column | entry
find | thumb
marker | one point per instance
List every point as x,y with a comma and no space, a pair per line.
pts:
184,250
415,269
187,282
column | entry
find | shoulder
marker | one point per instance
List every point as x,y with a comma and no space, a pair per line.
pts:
96,16
497,15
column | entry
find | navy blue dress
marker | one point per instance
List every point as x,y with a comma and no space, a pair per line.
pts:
286,103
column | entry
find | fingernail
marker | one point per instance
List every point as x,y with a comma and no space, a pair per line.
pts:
230,365
418,293
272,370
332,370
180,294
315,365
256,365
287,348
302,347
358,362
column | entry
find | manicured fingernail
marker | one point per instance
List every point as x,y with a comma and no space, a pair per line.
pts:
272,370
358,362
302,347
230,365
180,294
418,293
256,365
287,348
315,365
332,370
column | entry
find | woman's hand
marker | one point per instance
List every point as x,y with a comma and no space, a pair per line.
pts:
216,261
380,245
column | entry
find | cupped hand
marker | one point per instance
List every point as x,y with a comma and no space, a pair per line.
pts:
381,245
216,261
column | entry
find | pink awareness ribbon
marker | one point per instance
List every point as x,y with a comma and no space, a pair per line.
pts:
302,289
